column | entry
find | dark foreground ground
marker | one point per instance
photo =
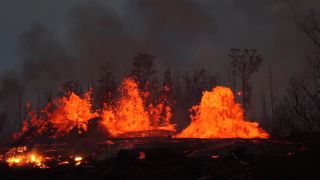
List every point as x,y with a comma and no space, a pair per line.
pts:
294,158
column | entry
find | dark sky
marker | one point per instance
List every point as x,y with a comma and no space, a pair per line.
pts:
80,36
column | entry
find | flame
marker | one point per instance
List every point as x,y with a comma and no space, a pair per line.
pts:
130,114
23,157
73,111
219,116
160,113
63,114
19,157
78,160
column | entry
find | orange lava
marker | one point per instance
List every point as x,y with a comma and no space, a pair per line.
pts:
130,113
219,116
72,111
19,157
63,114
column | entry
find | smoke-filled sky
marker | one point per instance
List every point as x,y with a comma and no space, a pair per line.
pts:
45,42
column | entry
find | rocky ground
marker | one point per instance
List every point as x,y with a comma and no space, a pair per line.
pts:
167,158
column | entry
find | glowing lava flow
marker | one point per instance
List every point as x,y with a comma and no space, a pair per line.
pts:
219,116
73,111
130,114
19,157
62,114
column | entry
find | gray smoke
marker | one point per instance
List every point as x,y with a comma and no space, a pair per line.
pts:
61,44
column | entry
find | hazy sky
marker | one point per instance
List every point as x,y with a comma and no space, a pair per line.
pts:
182,34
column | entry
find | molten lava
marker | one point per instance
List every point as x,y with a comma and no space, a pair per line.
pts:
19,157
130,113
72,111
219,116
62,114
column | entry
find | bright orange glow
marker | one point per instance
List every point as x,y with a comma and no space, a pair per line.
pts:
219,116
130,114
72,111
78,160
63,114
23,157
160,114
18,157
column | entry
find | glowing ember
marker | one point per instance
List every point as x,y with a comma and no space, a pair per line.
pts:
63,163
142,155
239,93
19,157
78,160
215,156
219,116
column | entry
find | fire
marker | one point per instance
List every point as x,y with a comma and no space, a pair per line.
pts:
219,116
130,114
22,157
63,115
19,157
160,114
78,160
72,111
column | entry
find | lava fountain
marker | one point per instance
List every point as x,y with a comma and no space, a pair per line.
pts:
130,114
219,116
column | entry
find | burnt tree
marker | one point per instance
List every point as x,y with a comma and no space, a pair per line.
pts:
299,109
143,69
69,87
167,88
3,118
309,24
200,81
105,88
244,63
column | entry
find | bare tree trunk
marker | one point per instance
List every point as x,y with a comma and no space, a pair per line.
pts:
19,111
178,90
244,94
272,102
38,103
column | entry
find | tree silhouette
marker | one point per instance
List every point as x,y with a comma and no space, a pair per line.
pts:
143,69
197,83
68,87
106,87
299,109
310,25
244,63
3,118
